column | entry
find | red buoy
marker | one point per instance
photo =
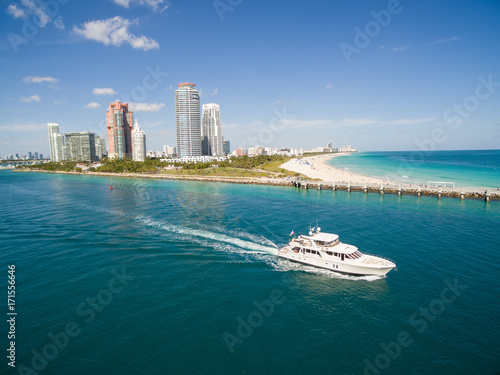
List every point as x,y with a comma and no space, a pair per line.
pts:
111,187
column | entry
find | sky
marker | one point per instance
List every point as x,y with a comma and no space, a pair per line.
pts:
377,75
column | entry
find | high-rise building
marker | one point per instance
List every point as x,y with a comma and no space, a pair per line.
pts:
119,123
80,146
138,143
169,151
56,142
187,120
227,147
211,131
100,147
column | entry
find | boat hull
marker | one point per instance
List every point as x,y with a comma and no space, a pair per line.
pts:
341,267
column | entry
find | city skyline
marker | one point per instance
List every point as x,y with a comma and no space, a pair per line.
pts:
364,73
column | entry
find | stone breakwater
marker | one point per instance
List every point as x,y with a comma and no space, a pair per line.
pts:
457,192
387,188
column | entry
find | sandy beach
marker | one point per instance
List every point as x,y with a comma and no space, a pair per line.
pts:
316,167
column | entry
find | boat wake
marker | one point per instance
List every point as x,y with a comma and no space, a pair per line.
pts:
237,241
200,236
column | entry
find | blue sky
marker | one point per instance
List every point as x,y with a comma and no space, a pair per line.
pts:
379,75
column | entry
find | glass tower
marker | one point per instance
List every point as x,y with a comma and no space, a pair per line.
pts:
187,120
119,124
211,130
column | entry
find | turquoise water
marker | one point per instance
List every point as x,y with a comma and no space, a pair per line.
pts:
465,168
170,277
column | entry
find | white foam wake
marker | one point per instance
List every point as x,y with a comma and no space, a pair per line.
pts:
205,234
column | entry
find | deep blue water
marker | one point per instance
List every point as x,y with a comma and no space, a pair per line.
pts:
196,260
480,168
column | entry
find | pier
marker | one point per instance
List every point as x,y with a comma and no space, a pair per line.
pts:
438,190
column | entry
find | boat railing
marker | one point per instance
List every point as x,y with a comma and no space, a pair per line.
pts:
378,256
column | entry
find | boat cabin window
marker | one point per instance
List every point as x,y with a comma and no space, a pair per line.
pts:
329,252
326,243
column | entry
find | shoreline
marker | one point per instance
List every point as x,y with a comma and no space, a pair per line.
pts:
316,167
336,179
324,177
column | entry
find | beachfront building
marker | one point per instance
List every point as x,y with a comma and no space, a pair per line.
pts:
138,143
187,120
56,142
211,131
119,124
100,147
80,146
226,145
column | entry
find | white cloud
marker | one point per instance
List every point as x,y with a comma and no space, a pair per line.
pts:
114,31
92,105
329,86
156,5
15,11
146,107
32,98
31,79
104,91
215,92
59,101
37,8
444,40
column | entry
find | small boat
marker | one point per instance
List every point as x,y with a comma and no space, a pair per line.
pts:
324,250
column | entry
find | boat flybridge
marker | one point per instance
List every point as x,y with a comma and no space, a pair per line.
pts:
325,250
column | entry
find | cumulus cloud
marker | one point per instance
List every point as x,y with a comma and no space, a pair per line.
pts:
146,107
37,8
114,31
92,105
104,91
31,79
156,5
15,11
32,98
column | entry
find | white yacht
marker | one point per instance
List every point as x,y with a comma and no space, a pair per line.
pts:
324,250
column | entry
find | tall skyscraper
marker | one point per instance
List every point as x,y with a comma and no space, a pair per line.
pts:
227,147
187,120
80,146
56,142
211,131
100,147
138,143
119,123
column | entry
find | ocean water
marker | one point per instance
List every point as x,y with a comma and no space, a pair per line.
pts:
479,168
171,277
